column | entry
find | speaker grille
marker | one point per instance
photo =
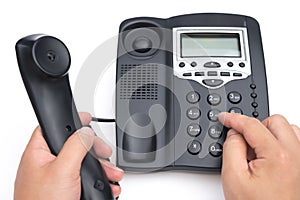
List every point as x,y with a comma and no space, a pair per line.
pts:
139,81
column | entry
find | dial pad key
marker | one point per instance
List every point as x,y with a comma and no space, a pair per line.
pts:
213,115
216,149
234,97
214,99
193,97
215,132
194,130
194,147
193,113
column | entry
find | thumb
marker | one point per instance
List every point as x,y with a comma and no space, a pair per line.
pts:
234,155
75,149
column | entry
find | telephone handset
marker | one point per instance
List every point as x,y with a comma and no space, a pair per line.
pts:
174,76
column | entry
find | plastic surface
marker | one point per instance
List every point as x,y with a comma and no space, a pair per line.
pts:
146,85
44,62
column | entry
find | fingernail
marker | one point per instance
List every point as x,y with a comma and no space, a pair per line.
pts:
109,164
86,136
231,132
222,117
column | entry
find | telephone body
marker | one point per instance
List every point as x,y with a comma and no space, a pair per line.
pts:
174,76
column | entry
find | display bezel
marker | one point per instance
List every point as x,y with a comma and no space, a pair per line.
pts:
213,36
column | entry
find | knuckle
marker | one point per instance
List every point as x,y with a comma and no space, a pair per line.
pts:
277,118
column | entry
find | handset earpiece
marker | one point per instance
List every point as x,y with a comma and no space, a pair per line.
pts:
44,62
51,56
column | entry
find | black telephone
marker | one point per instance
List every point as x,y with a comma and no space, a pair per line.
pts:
174,76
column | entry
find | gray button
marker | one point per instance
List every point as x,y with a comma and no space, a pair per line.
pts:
212,65
193,97
216,149
234,97
194,130
236,110
193,113
215,132
194,147
213,82
214,99
212,73
213,115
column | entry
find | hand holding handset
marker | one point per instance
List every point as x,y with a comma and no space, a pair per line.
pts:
44,62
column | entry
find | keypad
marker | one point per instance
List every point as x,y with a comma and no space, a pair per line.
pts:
215,129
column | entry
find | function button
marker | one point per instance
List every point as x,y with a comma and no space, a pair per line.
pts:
254,104
253,95
214,99
193,64
213,115
215,149
212,73
193,113
241,64
234,97
215,132
212,65
253,86
237,74
213,82
194,130
181,64
230,64
193,97
225,73
199,73
255,114
236,110
194,147
187,74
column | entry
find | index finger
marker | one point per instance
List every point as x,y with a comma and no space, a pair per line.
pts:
255,133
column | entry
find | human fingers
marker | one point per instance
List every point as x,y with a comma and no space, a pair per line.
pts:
255,133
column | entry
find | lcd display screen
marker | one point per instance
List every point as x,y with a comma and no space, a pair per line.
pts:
210,45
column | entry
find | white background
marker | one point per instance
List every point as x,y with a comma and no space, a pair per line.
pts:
83,26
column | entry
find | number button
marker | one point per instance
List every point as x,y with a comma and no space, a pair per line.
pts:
215,132
192,97
193,113
213,115
194,130
234,97
236,110
214,99
216,149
